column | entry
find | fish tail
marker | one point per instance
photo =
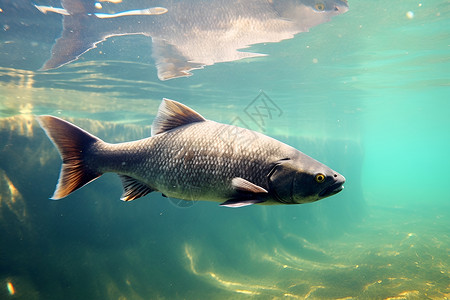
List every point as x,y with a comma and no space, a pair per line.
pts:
73,144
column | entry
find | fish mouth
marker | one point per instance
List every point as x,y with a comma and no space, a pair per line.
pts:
332,189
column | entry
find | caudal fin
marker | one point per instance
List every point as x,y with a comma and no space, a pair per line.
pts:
80,32
73,144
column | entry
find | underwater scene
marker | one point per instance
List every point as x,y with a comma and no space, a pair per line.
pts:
362,87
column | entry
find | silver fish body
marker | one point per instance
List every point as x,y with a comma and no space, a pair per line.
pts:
188,35
191,158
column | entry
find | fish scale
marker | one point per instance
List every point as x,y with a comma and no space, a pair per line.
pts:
193,161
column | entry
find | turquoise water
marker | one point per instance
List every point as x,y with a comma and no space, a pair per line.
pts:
367,94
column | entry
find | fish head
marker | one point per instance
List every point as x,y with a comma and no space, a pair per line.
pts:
303,180
309,13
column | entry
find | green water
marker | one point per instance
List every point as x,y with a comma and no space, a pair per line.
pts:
367,94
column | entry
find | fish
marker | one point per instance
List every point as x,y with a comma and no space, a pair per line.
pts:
188,35
191,158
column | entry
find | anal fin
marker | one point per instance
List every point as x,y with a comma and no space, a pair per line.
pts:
133,188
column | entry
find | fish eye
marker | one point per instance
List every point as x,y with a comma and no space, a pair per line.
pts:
320,178
319,7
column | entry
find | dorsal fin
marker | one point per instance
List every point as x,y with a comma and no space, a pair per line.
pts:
172,114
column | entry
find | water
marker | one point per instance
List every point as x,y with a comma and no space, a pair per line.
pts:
367,94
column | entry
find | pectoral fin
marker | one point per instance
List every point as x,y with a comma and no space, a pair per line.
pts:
241,202
247,193
245,186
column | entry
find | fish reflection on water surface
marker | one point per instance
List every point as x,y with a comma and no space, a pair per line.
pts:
191,158
188,35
